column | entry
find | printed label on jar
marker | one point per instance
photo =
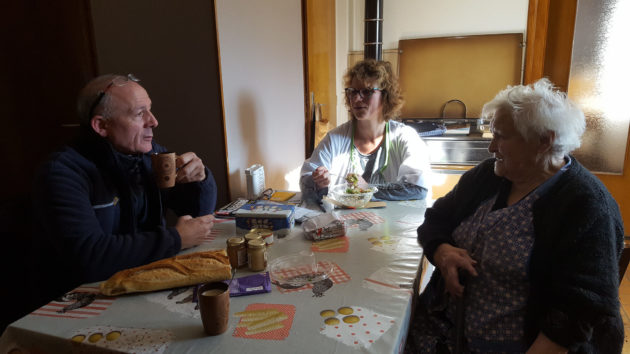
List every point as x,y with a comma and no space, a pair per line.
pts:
257,262
242,257
268,239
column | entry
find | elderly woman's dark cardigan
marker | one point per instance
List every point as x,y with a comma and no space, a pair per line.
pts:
573,266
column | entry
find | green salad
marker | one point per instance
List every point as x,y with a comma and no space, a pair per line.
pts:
353,184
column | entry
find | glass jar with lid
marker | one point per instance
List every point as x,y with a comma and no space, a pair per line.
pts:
266,234
257,255
237,252
252,236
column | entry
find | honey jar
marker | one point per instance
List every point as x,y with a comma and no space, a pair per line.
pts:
252,236
266,234
257,255
237,252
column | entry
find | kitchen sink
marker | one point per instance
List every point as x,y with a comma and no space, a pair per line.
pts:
457,149
453,141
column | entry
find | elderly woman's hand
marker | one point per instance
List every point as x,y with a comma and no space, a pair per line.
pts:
449,260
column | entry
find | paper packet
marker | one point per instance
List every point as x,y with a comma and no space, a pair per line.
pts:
250,285
323,226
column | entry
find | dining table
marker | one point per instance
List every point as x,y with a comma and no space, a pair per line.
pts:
363,304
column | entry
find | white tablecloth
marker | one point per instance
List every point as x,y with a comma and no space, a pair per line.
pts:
373,280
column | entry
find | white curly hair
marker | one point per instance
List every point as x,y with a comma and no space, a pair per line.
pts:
537,109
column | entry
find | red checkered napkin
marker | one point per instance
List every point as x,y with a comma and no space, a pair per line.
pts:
337,275
273,333
344,245
368,215
213,234
94,309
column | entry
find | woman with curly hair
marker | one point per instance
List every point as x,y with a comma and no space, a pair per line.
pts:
527,244
381,151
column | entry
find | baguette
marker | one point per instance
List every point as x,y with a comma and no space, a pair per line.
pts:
184,270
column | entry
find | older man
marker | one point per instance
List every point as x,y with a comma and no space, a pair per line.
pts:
97,207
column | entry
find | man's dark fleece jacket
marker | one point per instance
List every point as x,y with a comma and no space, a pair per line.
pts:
98,211
573,265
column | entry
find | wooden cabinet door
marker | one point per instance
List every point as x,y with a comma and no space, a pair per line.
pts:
319,38
47,57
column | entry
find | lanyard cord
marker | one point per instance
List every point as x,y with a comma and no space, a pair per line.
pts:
353,161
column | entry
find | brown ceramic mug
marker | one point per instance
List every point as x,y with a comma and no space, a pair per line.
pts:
214,307
164,167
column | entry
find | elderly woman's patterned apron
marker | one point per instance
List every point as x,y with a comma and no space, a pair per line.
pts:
500,241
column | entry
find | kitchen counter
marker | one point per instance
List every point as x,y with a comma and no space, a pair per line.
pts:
458,149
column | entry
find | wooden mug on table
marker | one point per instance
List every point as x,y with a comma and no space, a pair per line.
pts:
214,307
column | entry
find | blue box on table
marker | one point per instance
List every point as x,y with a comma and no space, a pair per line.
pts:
279,218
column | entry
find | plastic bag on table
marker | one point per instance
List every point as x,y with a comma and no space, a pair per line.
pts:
323,226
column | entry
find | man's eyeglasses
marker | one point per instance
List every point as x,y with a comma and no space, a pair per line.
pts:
363,93
118,81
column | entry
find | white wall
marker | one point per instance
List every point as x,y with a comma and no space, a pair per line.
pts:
260,45
405,19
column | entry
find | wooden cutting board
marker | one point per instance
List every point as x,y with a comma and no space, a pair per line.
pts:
369,205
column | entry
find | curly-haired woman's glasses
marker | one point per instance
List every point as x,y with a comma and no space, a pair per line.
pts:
365,93
118,81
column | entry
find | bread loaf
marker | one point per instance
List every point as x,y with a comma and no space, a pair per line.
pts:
187,269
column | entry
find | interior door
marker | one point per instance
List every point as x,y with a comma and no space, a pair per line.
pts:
319,19
47,56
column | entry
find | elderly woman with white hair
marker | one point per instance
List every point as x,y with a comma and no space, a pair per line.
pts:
526,244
